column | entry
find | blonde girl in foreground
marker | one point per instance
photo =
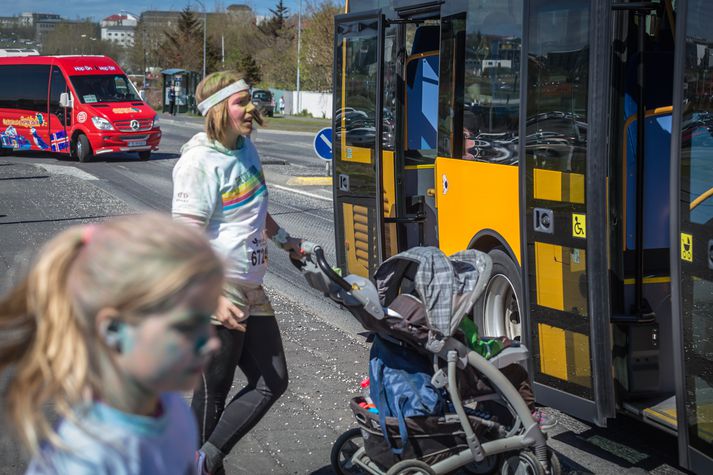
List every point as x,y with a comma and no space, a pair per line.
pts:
111,319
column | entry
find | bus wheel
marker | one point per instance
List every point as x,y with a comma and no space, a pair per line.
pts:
145,155
82,148
498,310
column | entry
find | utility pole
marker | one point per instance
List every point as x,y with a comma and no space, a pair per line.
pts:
205,29
299,34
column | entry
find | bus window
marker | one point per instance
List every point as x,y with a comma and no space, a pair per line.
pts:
422,92
557,102
103,88
491,87
358,120
58,85
24,87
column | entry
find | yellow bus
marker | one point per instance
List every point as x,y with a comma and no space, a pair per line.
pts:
513,127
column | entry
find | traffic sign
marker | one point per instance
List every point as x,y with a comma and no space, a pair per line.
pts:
323,143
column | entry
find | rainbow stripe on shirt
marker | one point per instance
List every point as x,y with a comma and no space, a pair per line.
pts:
247,190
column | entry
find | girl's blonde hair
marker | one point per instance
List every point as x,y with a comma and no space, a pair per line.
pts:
138,265
217,120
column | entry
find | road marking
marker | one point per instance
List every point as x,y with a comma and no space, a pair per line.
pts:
310,181
300,192
324,139
68,170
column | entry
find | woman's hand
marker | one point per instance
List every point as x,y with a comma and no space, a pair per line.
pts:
294,247
230,315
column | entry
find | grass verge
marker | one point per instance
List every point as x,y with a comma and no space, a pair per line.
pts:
297,124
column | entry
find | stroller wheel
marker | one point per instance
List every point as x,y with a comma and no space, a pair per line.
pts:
344,449
525,463
411,467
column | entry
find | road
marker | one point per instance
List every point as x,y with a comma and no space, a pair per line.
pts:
326,353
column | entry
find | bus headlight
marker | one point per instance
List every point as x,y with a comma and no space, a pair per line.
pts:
155,121
102,124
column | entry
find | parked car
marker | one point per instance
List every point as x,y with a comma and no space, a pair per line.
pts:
264,101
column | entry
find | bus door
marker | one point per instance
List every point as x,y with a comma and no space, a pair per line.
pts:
563,201
60,117
692,233
357,124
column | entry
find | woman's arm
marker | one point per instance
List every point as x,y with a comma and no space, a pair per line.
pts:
190,220
282,238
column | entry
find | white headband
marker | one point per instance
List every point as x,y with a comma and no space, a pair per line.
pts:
222,95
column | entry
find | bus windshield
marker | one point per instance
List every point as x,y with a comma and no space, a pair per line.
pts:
104,88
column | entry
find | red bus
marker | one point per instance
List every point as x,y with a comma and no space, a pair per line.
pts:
82,106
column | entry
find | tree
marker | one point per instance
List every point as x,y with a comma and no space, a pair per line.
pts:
183,47
317,54
247,65
82,37
275,26
146,52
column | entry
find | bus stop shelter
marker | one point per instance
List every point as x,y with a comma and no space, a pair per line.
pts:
184,83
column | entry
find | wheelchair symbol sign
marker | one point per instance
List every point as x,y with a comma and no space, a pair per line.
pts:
579,225
686,247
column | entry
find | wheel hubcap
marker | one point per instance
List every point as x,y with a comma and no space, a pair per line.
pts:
501,309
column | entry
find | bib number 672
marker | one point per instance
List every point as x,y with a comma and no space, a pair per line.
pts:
258,257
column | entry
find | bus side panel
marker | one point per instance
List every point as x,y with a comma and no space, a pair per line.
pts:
23,106
471,196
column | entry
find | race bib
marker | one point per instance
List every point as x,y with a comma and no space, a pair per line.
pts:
256,250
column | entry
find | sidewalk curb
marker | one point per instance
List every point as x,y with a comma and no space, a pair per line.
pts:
199,126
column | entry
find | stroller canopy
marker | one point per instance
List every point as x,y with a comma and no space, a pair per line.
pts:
446,286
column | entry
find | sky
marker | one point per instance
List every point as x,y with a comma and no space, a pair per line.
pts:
99,9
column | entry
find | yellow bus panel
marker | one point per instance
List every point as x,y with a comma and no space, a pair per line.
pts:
548,274
388,183
356,154
356,238
564,354
560,278
553,351
472,196
554,185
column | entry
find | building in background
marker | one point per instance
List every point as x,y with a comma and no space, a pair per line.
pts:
119,28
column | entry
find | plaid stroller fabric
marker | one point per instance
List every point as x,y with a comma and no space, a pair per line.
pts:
437,278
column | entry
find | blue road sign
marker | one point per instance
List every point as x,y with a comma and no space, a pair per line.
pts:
323,143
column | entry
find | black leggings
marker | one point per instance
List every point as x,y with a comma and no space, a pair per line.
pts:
259,354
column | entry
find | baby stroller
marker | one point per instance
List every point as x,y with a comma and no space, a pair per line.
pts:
419,300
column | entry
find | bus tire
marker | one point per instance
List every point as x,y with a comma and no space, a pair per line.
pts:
145,155
82,148
497,312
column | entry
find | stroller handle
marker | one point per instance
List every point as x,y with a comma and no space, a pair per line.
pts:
324,267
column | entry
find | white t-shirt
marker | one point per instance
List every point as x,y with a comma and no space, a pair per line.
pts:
227,189
106,441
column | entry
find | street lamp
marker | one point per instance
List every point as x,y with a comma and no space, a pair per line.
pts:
299,31
205,28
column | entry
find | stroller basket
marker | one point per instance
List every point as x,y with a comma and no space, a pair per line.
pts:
431,438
